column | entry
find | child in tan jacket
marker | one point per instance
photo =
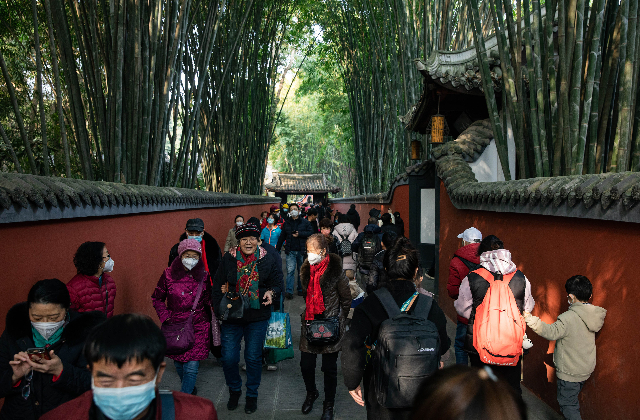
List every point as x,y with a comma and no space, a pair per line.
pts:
575,352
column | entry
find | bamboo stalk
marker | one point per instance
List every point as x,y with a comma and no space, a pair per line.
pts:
576,87
12,152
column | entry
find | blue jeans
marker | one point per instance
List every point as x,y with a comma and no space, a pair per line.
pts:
230,336
462,358
187,371
294,261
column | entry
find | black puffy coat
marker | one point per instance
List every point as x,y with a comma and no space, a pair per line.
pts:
336,296
377,275
365,324
211,251
354,217
270,278
45,394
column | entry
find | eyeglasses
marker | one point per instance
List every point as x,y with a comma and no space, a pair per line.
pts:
26,389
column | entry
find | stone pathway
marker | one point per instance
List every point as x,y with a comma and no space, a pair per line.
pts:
282,392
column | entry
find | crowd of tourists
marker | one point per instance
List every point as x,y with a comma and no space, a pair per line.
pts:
363,298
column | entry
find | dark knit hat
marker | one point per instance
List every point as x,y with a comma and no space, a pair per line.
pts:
248,229
374,212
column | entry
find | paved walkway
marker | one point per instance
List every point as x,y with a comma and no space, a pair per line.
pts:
282,392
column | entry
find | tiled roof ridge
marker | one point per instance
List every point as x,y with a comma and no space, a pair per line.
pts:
312,182
574,195
24,190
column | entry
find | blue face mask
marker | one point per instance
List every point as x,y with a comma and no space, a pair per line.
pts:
197,237
124,403
270,220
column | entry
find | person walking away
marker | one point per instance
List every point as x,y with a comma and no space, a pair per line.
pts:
401,263
366,245
484,396
387,225
496,264
378,275
354,216
231,241
93,288
125,357
295,232
399,223
180,286
575,334
346,234
357,294
251,271
271,233
312,217
464,260
211,254
326,228
327,297
41,363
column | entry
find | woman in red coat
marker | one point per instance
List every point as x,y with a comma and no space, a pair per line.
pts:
93,289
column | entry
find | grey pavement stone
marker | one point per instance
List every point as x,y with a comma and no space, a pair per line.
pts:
282,392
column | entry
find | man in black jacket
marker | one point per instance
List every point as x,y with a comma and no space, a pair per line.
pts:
295,231
211,254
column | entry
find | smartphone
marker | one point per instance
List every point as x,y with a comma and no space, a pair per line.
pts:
38,353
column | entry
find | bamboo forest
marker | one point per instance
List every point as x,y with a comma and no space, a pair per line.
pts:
210,94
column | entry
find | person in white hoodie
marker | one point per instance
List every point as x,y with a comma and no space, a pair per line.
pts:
575,335
344,230
497,260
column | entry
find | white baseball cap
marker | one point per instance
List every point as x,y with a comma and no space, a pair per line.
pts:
471,235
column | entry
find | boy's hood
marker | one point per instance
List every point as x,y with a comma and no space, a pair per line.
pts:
591,315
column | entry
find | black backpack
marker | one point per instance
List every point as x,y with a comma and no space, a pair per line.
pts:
407,351
470,265
369,247
345,246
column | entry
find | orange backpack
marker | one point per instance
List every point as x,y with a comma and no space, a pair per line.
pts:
498,328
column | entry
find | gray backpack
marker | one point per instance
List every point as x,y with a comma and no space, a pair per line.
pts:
406,353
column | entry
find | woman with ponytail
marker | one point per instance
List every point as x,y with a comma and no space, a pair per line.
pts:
401,265
328,297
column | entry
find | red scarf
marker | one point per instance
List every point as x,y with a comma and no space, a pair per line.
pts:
315,303
204,260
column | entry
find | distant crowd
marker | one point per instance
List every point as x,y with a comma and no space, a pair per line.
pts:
64,355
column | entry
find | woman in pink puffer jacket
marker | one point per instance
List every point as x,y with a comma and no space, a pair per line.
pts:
92,289
173,299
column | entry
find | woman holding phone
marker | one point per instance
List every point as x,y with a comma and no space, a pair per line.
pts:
41,361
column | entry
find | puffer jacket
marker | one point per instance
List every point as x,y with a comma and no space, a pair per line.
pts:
337,301
46,394
458,271
173,299
270,278
231,241
346,231
87,295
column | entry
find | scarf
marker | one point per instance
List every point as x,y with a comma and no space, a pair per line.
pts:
247,276
314,301
203,257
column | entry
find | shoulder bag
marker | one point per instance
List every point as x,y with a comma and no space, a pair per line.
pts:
233,304
323,331
180,336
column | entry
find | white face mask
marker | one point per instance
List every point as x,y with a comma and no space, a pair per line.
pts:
239,223
294,213
314,258
189,263
108,266
47,329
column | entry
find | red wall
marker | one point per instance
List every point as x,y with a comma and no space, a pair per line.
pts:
399,203
139,245
549,250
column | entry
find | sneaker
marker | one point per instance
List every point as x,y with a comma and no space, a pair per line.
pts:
272,368
288,295
251,405
234,397
244,368
195,391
